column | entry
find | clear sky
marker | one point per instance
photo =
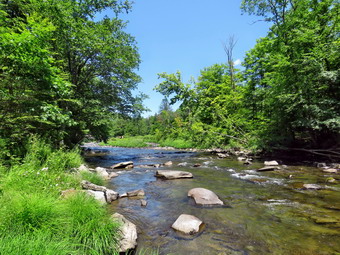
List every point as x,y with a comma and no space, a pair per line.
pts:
187,35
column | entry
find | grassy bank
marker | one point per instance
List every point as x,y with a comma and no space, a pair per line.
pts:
35,219
145,141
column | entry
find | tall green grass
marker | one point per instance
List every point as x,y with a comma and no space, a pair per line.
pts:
35,219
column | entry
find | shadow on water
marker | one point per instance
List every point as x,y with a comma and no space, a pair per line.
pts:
265,212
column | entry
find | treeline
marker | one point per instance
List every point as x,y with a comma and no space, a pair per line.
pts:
64,72
287,95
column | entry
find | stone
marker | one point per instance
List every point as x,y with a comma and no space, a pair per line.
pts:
101,171
169,163
143,203
134,193
330,170
222,155
204,197
183,164
128,164
111,195
83,168
271,163
172,174
320,165
241,158
187,224
113,175
123,195
247,162
267,168
91,186
311,186
128,233
197,165
98,195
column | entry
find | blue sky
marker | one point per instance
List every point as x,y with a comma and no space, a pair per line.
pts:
187,35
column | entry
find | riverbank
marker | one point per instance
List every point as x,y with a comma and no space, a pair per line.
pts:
36,219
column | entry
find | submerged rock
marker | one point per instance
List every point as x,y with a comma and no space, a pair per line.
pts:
134,193
169,163
271,163
187,224
128,231
128,164
330,170
183,164
204,197
267,168
312,186
143,203
113,175
172,174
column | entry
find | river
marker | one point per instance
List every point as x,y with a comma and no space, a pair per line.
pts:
264,212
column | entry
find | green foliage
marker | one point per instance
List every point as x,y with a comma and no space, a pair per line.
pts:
34,219
92,177
63,74
133,142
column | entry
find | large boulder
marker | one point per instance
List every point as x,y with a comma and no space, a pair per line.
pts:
271,163
128,237
91,186
187,224
109,195
128,164
172,174
204,197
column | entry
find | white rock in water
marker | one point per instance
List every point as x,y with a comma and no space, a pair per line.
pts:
128,239
111,195
204,197
172,174
271,163
311,186
187,224
169,163
128,164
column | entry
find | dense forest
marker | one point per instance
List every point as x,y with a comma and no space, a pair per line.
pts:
286,96
67,75
63,72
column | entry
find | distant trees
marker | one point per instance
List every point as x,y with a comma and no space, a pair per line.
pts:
288,94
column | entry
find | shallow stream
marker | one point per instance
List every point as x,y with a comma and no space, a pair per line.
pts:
265,212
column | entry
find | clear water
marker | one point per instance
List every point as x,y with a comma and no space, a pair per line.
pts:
265,213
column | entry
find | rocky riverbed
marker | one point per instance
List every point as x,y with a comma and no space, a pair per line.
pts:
290,209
